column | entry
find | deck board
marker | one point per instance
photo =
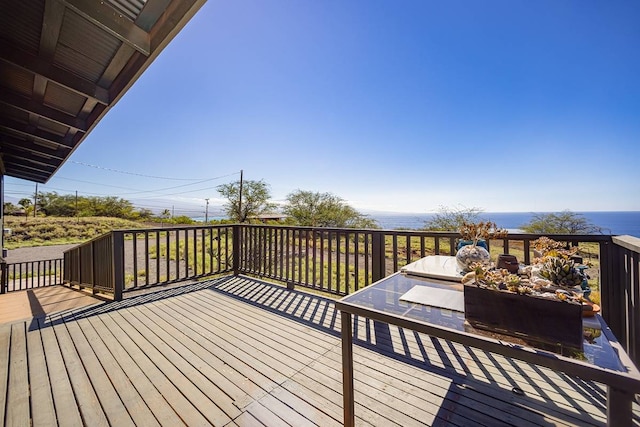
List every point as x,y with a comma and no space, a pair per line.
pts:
241,352
90,407
123,386
40,386
5,347
18,387
155,401
67,409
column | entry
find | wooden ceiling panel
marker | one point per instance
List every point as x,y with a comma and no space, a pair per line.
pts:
65,63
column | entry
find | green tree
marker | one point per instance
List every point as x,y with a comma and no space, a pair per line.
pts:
27,206
54,204
316,209
565,222
451,219
255,199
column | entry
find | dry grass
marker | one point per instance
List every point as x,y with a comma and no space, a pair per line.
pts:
43,231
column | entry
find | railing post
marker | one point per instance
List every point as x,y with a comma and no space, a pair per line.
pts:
378,262
117,248
4,276
237,240
612,289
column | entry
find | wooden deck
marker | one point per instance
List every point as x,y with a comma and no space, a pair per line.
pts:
240,352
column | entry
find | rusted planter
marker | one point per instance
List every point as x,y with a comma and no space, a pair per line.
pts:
534,319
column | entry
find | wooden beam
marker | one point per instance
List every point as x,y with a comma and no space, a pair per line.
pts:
17,171
32,147
24,129
151,12
51,25
45,69
27,157
107,18
28,106
116,65
43,172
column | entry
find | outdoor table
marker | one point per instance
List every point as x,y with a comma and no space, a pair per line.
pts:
605,361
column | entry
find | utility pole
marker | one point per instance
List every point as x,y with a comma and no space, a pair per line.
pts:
35,201
240,199
206,212
77,217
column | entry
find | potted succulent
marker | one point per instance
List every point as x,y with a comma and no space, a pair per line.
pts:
476,250
544,304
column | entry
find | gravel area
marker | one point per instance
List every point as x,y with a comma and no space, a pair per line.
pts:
36,253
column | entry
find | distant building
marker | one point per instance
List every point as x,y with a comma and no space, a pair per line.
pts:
264,218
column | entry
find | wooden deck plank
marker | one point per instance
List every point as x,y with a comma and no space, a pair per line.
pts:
190,367
266,320
273,322
135,373
492,368
289,337
272,370
202,328
228,380
67,409
45,415
458,408
247,420
110,400
127,393
288,414
229,325
265,416
18,388
90,409
560,398
5,347
435,396
452,358
136,346
306,407
458,362
263,355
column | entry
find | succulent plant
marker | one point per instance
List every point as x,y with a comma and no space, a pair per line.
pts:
481,230
562,272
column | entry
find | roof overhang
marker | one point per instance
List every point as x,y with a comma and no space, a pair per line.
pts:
65,63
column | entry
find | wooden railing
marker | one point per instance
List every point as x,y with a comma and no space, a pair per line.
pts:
340,261
622,302
125,260
30,274
337,261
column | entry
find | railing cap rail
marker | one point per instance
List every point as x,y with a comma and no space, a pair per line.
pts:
173,228
628,242
426,233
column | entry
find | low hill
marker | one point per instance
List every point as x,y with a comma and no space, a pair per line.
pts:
43,231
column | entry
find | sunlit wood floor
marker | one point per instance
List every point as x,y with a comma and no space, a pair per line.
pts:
239,351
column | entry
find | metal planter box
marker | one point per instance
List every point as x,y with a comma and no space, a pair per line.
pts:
540,320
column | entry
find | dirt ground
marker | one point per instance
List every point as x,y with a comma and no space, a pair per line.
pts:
36,253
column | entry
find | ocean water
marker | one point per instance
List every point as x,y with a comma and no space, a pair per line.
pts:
615,223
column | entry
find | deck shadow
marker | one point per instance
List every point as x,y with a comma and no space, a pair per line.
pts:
319,313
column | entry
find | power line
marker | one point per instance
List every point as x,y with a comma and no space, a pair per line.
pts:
132,173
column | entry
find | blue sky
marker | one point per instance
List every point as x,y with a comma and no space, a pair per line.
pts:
402,106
